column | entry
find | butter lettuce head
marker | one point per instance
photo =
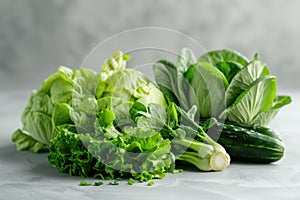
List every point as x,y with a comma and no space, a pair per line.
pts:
70,99
65,87
119,88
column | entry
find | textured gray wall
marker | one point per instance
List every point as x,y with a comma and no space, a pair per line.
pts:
36,36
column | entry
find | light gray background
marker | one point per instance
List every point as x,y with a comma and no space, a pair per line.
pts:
37,36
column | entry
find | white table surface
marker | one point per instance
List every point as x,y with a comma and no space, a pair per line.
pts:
25,175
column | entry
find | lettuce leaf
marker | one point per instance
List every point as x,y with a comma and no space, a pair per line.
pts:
109,153
256,99
244,78
224,55
26,142
209,86
264,118
47,106
171,80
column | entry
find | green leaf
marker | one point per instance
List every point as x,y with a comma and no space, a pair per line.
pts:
244,78
150,183
155,117
209,86
122,113
108,102
39,102
229,69
40,127
85,183
113,64
135,109
99,183
172,83
126,84
185,59
63,73
62,92
154,96
281,101
224,55
62,88
256,99
86,79
61,114
69,155
131,181
83,121
172,116
106,118
26,142
264,118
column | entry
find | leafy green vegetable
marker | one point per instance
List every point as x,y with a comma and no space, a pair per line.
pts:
120,89
256,99
113,64
185,59
49,105
171,81
223,84
224,55
114,183
229,69
26,142
36,118
150,183
244,79
106,143
85,183
131,181
98,183
117,124
189,142
264,118
209,86
109,154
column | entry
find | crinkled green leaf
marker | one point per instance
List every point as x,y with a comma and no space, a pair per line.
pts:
86,79
26,142
63,73
113,64
61,114
59,94
40,127
134,153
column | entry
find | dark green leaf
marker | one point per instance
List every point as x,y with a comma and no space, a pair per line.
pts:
224,55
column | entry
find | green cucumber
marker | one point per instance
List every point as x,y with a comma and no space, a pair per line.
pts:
261,129
249,143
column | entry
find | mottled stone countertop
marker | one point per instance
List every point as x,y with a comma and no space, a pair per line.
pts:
24,175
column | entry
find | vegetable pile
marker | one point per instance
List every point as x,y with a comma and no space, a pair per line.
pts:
229,88
118,124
